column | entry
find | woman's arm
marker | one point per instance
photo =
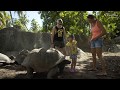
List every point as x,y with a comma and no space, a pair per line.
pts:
52,37
90,36
103,30
52,34
64,32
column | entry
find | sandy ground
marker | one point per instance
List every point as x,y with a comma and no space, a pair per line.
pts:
83,64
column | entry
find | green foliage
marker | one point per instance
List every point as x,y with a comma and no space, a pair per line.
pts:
20,14
18,23
21,22
23,19
49,18
111,21
5,19
35,27
74,21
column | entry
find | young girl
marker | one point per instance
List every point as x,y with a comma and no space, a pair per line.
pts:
72,48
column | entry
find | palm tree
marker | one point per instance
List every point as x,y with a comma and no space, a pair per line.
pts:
11,17
20,13
4,18
23,19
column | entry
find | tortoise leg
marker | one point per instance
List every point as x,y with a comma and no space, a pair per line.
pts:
61,66
4,64
29,72
12,57
16,63
52,72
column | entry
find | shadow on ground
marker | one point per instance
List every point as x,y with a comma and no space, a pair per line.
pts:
112,65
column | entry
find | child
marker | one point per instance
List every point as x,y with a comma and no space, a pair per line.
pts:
72,47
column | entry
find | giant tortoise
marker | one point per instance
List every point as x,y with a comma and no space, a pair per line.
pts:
39,60
5,60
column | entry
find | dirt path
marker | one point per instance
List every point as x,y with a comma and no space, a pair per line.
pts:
112,65
83,64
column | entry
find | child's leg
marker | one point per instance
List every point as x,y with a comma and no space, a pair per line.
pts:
72,70
74,63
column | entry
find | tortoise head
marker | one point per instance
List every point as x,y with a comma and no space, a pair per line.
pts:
65,61
12,57
21,56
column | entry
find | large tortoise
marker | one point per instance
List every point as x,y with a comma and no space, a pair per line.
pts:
5,60
41,60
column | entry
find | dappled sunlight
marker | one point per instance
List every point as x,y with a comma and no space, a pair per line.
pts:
112,63
31,30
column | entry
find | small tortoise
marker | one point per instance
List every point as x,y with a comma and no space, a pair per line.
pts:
5,60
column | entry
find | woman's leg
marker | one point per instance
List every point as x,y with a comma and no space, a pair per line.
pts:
93,51
99,54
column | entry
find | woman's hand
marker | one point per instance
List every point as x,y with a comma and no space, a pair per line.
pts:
93,39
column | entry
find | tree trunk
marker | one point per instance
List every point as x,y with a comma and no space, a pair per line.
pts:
26,27
11,17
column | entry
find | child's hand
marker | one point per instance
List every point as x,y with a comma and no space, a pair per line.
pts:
78,56
52,45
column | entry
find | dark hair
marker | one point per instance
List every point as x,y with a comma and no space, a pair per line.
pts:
91,16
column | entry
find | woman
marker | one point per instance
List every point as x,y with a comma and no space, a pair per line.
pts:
97,31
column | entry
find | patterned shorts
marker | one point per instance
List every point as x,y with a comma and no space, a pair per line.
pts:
73,56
